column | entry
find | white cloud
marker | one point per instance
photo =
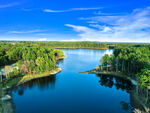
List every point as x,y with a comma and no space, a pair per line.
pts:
103,19
9,5
52,11
26,32
42,39
79,28
108,14
69,10
134,27
80,9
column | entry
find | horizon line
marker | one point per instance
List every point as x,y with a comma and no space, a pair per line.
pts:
70,41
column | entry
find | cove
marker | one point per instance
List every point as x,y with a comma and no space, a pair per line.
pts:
72,92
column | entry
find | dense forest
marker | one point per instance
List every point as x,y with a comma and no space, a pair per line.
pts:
52,44
4,48
132,61
77,44
28,58
83,44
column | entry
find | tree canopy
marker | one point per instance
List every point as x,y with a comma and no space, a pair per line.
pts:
131,61
29,58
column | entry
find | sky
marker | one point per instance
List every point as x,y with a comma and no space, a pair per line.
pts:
75,20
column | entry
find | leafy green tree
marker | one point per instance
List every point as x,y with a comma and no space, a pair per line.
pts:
105,61
144,77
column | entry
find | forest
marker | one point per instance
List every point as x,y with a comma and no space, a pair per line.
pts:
28,58
54,44
130,60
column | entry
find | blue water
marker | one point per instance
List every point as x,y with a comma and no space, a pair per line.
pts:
71,92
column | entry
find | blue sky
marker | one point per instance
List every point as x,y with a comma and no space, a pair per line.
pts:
75,20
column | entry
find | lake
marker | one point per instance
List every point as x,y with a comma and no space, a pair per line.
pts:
71,92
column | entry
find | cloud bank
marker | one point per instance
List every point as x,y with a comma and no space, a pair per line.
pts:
134,27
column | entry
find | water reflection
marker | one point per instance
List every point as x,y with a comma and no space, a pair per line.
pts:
6,105
126,106
139,97
119,83
42,83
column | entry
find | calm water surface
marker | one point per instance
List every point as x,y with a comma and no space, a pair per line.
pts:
71,92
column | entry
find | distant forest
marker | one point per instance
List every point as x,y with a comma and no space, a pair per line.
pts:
78,44
88,45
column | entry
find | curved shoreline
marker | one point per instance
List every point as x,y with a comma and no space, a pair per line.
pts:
27,78
60,58
94,71
22,79
10,83
133,82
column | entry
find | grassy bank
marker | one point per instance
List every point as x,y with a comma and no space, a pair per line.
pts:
8,83
29,77
60,58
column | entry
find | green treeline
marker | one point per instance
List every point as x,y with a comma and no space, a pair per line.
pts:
78,44
4,48
133,61
83,44
29,59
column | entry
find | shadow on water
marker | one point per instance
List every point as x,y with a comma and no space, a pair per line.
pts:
42,83
139,97
105,81
119,83
7,105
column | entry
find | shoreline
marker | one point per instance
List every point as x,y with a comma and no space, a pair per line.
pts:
60,58
79,48
16,81
133,81
6,95
7,85
94,71
29,77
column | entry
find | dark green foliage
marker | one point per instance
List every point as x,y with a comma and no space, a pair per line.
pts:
58,53
144,77
29,58
83,44
4,48
35,59
105,60
131,61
